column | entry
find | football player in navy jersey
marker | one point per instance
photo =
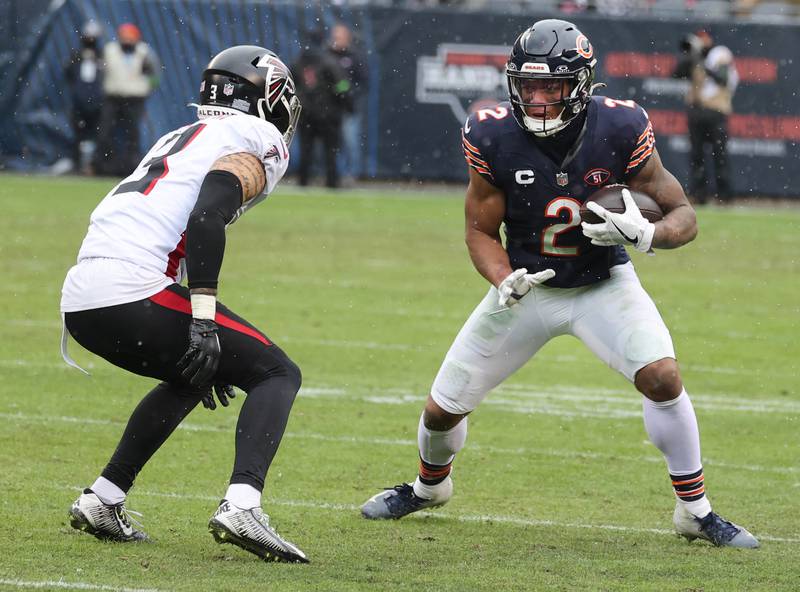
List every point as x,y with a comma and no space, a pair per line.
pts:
533,161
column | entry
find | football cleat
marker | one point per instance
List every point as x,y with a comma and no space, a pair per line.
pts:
250,530
107,522
400,500
713,528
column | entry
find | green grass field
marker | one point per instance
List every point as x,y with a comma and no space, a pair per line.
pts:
557,488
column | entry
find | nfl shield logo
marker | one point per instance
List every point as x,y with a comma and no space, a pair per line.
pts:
227,90
562,179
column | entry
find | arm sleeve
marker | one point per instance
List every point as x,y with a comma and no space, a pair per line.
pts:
219,198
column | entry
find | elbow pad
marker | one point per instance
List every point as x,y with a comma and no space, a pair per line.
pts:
219,198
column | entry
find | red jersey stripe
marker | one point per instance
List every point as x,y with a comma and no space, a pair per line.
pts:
472,159
468,145
173,301
174,258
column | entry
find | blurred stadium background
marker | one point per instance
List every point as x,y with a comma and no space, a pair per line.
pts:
430,62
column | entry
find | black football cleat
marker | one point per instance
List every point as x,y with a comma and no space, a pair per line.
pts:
713,528
400,500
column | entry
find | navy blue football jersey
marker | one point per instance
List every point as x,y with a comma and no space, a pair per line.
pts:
543,197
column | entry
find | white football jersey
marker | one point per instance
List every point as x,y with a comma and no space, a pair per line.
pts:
141,223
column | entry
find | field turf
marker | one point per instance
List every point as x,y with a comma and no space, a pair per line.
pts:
557,487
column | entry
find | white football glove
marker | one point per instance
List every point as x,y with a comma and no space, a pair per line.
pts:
628,228
518,283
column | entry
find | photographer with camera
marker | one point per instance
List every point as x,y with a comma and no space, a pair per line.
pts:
712,73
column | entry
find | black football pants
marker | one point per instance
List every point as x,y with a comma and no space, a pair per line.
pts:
329,133
708,128
148,337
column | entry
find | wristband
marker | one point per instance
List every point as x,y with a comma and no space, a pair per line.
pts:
204,306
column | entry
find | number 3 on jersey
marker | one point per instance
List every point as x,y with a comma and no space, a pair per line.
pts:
550,233
157,168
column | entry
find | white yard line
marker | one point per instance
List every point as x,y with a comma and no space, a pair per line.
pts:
61,584
559,400
568,401
371,441
38,323
444,514
375,345
714,402
23,363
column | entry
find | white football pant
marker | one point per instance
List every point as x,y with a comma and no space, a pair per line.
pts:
615,318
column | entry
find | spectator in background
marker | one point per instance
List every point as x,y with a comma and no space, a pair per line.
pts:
353,64
131,74
325,92
84,75
713,80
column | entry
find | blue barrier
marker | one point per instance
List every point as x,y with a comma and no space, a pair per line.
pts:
428,69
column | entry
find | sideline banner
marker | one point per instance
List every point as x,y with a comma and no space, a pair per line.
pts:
428,69
458,66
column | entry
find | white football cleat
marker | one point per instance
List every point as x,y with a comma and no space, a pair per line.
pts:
250,530
718,531
108,522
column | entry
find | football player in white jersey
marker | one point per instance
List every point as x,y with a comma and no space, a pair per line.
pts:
123,300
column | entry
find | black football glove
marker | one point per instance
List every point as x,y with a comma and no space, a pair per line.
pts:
199,364
224,392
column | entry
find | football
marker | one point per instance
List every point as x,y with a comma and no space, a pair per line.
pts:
610,197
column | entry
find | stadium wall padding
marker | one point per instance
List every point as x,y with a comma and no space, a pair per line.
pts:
428,69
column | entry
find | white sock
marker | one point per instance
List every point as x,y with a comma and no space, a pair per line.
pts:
243,496
426,491
439,448
107,492
672,428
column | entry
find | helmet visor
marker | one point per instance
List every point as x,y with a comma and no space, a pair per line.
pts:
541,97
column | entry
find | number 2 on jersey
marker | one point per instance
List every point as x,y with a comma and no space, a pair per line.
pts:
550,233
157,168
497,113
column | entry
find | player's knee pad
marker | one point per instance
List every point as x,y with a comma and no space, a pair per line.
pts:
272,362
452,388
648,342
642,344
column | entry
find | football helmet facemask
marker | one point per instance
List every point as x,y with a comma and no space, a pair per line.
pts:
552,55
252,80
